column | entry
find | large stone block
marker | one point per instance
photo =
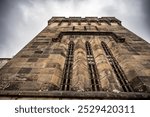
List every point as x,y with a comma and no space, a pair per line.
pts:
141,83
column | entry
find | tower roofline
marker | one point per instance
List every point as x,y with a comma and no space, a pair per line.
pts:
92,19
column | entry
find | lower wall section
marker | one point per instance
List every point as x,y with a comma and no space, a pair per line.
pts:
141,83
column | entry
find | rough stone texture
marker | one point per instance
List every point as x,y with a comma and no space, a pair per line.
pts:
39,67
80,79
3,61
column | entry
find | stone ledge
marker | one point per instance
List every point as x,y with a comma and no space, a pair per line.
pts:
117,38
76,95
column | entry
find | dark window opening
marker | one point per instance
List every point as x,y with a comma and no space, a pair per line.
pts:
79,23
67,72
73,28
92,68
96,28
38,52
117,69
85,28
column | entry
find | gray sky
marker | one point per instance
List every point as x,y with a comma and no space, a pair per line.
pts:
22,20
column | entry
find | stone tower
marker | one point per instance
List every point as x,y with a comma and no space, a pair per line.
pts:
84,58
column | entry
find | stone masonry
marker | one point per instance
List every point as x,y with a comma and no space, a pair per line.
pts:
84,58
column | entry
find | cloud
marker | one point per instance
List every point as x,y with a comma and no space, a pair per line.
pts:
146,7
21,20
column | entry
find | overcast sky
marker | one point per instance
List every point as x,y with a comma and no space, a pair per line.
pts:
22,20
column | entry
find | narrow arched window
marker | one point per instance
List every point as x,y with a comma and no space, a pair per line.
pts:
121,77
92,68
67,72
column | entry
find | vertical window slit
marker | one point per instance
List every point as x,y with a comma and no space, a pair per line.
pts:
96,28
73,28
67,72
92,68
85,28
117,69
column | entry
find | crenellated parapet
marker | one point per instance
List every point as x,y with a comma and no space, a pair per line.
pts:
89,20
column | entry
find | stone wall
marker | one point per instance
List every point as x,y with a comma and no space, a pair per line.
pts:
45,64
3,61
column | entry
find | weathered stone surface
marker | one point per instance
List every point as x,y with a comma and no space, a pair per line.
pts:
80,80
141,83
3,61
38,69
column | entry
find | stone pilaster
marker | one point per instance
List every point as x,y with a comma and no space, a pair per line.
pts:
80,79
